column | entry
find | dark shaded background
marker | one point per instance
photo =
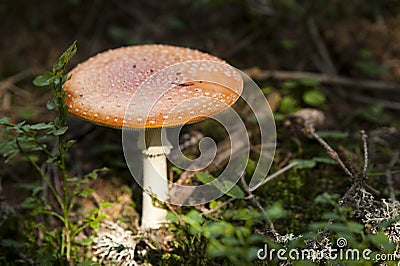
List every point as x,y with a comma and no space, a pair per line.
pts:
360,40
271,34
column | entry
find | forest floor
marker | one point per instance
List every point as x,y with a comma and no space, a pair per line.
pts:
342,59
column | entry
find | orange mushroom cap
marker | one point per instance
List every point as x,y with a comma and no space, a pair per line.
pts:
150,86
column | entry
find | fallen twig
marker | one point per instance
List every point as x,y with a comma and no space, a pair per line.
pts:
364,84
331,152
6,83
365,148
321,47
373,100
258,205
274,175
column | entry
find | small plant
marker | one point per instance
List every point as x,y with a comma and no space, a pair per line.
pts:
48,142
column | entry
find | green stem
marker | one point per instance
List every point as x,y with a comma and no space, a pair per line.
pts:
42,174
79,229
62,113
54,214
65,210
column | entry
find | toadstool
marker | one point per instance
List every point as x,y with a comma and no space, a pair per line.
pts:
149,87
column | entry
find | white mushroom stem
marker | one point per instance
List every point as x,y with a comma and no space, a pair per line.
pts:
155,146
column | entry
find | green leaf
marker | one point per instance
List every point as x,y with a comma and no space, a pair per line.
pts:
70,143
64,58
302,163
382,241
9,150
72,180
267,90
50,105
288,105
314,98
325,160
250,167
355,227
60,131
371,68
290,84
9,243
94,173
42,126
94,224
214,203
86,192
204,178
102,216
327,198
28,203
85,242
333,134
308,82
4,120
193,216
43,80
338,228
227,187
105,204
235,192
172,217
288,44
375,113
275,211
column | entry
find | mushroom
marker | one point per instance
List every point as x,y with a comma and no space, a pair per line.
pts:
148,88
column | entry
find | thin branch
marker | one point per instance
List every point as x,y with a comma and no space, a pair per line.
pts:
331,152
42,174
169,206
274,175
6,83
258,205
216,208
373,100
362,84
321,47
365,147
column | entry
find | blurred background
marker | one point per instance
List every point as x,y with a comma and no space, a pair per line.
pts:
272,34
356,39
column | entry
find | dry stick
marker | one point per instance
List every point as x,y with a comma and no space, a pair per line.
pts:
350,164
169,206
258,205
365,84
8,85
331,152
4,84
373,100
216,208
389,178
321,47
241,43
364,170
365,147
274,175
